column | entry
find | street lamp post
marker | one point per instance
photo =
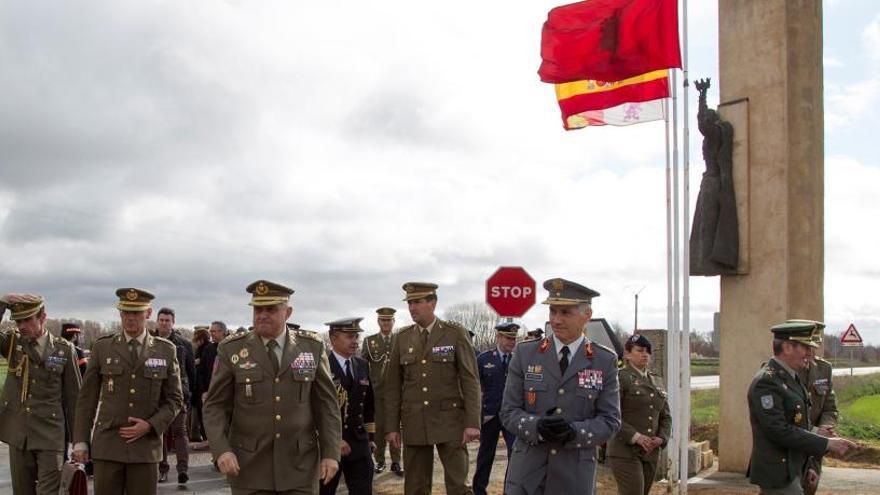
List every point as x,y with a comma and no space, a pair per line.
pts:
636,296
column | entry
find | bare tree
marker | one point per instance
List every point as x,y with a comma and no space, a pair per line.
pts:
477,317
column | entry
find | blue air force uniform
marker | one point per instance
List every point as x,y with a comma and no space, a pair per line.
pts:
493,375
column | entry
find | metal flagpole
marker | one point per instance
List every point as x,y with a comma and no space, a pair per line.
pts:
685,410
676,282
671,355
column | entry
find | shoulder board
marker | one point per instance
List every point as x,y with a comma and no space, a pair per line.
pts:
309,335
526,343
163,340
454,324
820,360
406,328
597,345
234,337
108,336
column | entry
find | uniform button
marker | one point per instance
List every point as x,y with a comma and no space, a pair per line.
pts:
454,404
652,395
424,375
583,430
424,361
28,409
590,434
131,391
558,410
132,376
424,389
426,403
650,430
651,406
130,404
276,380
552,451
305,379
578,445
277,398
783,459
649,417
277,417
561,391
278,435
590,396
247,380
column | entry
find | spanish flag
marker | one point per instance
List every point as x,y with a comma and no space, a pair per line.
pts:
630,101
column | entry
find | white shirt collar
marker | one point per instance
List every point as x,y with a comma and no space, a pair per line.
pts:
281,339
502,353
341,360
140,338
572,348
644,374
429,327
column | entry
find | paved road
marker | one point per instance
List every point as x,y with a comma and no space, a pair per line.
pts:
711,381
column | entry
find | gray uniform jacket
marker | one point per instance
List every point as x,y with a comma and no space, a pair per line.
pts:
587,396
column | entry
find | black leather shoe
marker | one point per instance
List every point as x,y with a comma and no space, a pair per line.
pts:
163,477
396,469
182,478
380,466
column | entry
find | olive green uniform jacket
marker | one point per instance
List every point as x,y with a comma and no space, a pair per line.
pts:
148,388
644,410
433,391
823,400
39,420
781,439
278,426
377,352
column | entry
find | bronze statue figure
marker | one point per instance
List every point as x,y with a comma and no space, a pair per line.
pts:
714,243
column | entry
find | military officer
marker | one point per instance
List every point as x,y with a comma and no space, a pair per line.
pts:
816,377
779,411
354,393
432,395
645,421
39,397
377,348
271,414
136,378
561,400
493,366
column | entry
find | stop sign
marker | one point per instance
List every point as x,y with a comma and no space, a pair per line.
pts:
510,291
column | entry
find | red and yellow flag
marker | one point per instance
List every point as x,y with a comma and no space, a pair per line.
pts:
585,103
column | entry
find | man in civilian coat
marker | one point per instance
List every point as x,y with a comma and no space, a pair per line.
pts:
561,400
432,394
271,413
39,397
354,393
493,366
136,378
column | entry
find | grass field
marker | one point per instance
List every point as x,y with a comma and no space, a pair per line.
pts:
704,366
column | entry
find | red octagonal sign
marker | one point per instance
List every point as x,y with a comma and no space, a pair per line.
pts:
510,291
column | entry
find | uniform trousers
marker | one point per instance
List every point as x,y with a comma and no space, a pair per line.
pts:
27,467
489,432
358,476
793,488
419,462
380,441
118,478
634,476
176,437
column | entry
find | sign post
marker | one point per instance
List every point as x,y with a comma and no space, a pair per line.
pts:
510,291
851,338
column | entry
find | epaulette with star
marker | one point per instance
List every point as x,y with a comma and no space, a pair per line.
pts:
309,335
234,337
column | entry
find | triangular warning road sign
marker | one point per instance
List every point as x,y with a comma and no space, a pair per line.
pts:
851,336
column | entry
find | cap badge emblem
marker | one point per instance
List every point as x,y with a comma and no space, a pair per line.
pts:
557,285
261,289
131,295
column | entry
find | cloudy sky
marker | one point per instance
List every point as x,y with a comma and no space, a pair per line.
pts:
344,148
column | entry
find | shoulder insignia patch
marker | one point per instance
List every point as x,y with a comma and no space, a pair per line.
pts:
767,401
605,348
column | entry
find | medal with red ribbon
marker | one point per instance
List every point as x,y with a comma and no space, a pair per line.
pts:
545,344
588,350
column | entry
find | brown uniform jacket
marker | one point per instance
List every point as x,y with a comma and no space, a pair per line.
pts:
643,409
278,427
38,422
376,352
823,400
148,388
433,391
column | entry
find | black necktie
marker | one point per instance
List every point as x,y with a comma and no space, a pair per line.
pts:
505,361
563,361
133,350
273,358
348,375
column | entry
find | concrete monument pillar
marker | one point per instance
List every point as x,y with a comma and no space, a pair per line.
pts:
770,54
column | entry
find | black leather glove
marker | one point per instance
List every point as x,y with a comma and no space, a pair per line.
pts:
549,427
564,432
